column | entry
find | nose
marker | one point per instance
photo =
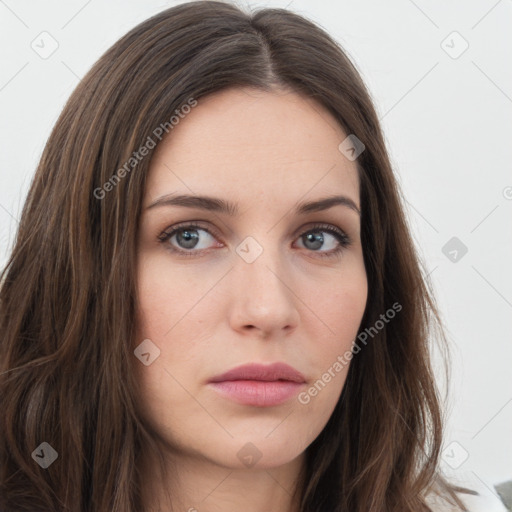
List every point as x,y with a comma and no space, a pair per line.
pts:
263,298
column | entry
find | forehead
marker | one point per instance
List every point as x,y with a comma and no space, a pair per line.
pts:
243,141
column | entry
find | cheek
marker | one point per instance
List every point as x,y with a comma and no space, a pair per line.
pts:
337,305
165,294
344,310
164,300
171,313
336,313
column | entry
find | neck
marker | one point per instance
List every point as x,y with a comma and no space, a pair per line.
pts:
198,485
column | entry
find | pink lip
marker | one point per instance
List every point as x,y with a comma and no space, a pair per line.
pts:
259,385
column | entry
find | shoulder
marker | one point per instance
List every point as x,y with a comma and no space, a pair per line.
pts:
482,499
472,503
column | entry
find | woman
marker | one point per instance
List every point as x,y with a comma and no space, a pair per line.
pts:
214,302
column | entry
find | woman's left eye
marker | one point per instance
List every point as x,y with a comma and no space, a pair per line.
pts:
315,238
187,238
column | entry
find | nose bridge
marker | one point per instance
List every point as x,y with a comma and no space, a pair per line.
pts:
264,298
259,260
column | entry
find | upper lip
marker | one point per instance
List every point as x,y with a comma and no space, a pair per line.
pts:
271,372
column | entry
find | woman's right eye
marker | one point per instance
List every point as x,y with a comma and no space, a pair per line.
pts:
185,238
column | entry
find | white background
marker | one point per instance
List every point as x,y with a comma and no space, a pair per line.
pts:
447,123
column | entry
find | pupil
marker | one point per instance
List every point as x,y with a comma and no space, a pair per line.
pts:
317,240
189,238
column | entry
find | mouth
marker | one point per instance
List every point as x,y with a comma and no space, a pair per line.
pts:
259,385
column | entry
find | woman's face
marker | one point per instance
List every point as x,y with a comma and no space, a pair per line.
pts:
263,284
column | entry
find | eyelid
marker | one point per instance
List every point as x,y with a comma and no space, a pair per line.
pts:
216,233
187,224
312,226
344,240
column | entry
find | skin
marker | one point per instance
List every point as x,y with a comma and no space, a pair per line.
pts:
212,311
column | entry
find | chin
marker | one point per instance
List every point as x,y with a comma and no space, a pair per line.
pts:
253,452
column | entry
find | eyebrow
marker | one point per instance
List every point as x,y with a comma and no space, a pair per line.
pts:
215,204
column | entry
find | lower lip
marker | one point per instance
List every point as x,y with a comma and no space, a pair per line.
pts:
256,392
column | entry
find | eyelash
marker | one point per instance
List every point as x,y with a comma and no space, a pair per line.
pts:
343,238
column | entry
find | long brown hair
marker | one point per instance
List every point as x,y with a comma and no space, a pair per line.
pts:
68,293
